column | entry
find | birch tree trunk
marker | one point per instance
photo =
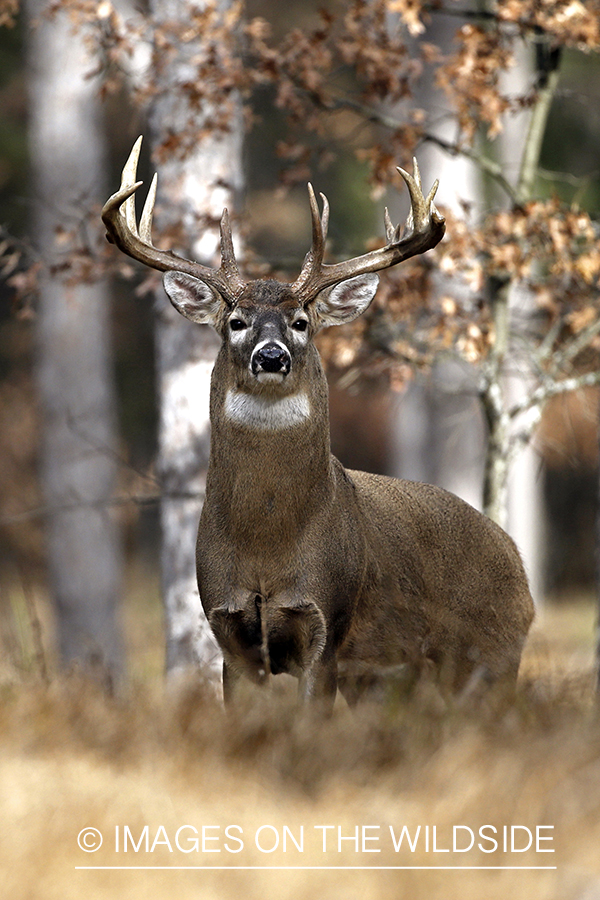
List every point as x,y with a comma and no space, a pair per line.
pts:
438,432
74,362
192,193
513,493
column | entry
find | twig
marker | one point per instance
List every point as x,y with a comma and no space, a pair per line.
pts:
534,409
576,181
35,626
537,128
39,512
103,449
580,342
539,397
546,347
484,163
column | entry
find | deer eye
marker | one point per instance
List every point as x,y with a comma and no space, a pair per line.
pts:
300,325
237,324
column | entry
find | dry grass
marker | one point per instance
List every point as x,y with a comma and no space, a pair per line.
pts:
70,757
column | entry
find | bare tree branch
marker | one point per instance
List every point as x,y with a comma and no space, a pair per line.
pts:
539,397
580,341
142,500
485,164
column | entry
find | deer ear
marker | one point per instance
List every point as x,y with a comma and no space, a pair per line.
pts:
193,298
346,300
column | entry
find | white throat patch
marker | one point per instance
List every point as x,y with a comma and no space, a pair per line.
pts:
266,415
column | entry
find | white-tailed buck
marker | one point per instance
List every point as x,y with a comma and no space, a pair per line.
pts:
334,576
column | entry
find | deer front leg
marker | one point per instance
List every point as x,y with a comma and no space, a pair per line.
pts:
237,634
230,679
318,678
318,684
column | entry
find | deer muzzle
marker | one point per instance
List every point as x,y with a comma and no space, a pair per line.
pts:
271,358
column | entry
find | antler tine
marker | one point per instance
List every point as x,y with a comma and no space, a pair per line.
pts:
325,218
128,177
424,229
417,172
320,223
118,214
421,208
228,260
145,231
393,232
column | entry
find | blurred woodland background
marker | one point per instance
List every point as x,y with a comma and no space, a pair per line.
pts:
476,368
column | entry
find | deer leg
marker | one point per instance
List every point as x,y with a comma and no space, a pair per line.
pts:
318,684
231,679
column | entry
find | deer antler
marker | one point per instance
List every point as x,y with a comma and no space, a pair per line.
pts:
118,214
424,229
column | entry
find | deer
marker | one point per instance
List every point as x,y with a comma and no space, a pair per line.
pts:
336,577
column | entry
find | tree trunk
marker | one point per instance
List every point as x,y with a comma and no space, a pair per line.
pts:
192,194
439,428
74,363
513,493
495,479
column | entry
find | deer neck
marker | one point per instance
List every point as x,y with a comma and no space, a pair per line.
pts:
270,456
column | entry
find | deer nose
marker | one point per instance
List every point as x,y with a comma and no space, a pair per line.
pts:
271,357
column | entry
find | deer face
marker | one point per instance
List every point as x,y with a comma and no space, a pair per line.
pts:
267,334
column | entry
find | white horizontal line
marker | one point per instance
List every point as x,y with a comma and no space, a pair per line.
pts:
323,868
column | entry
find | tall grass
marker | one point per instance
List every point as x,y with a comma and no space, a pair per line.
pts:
172,758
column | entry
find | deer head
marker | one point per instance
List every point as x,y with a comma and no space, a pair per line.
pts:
321,295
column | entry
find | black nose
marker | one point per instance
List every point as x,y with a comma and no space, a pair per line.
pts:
271,358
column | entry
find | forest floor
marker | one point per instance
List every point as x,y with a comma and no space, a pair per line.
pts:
416,799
